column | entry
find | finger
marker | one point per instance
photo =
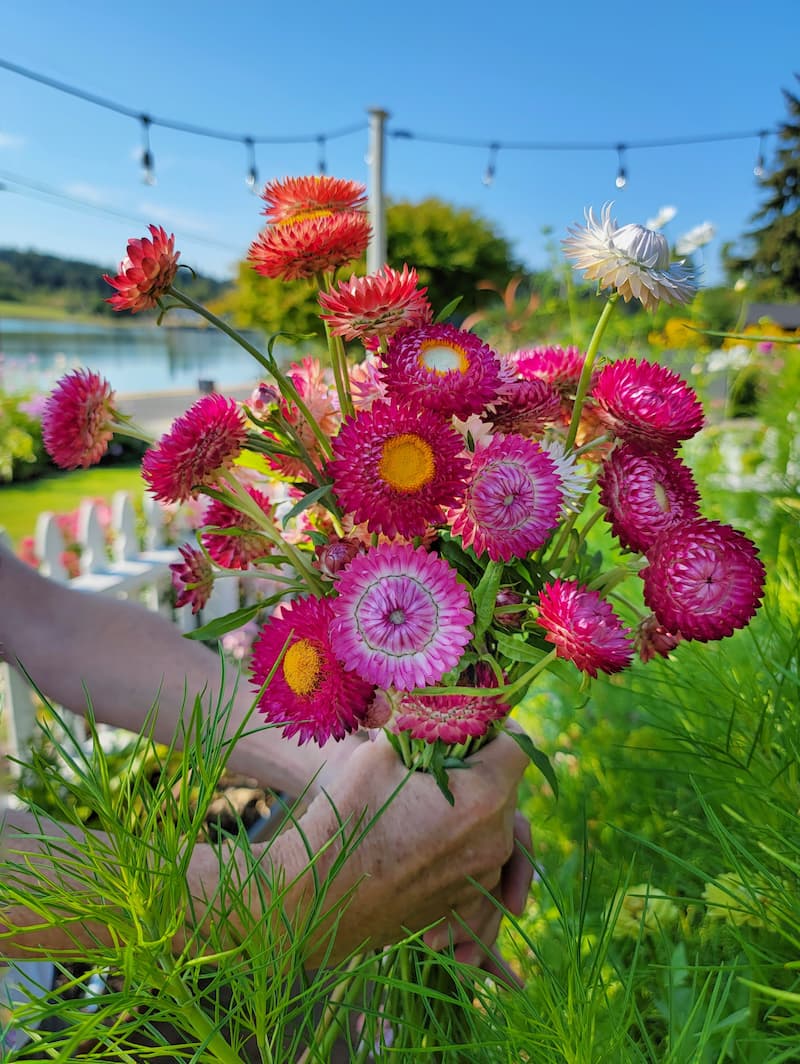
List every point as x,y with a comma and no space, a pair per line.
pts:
496,966
517,874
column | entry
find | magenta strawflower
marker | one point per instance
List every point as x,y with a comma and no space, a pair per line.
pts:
78,419
401,616
192,578
647,402
446,369
397,468
376,305
561,367
450,718
240,539
199,447
146,273
512,501
525,407
310,693
646,493
704,580
584,628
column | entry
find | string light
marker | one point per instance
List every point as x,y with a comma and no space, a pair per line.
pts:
252,172
758,169
148,166
322,164
621,179
491,166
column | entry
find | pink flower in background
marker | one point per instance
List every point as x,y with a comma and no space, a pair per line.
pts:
192,578
146,273
584,628
314,385
646,494
200,446
450,718
366,383
559,366
34,407
296,250
78,419
239,642
512,500
646,402
376,305
245,541
300,197
525,407
397,467
401,617
651,638
446,369
310,693
704,580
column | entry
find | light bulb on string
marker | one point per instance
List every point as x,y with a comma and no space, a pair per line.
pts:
621,179
148,166
322,165
758,169
491,165
251,180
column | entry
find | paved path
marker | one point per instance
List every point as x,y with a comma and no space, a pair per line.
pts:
155,411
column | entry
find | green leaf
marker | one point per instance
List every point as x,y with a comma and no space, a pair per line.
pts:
485,595
541,760
445,312
218,627
518,649
437,767
308,500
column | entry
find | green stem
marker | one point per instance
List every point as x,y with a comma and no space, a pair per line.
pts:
206,1031
588,365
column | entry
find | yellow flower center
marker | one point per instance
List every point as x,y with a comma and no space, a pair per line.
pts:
304,216
441,357
302,666
407,463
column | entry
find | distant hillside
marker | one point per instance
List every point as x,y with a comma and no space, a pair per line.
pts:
74,287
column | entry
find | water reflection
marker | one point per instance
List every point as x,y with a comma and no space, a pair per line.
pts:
134,358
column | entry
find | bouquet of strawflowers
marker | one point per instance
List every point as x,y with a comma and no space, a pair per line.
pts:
422,503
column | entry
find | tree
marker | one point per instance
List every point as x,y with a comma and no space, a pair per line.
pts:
452,249
773,256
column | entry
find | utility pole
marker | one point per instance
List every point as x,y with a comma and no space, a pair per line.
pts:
376,250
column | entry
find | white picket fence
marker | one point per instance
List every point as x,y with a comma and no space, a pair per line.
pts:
123,561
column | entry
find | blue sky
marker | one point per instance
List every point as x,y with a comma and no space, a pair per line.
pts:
506,72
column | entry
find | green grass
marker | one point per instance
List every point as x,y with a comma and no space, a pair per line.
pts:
21,504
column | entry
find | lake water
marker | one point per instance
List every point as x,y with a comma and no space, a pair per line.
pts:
133,358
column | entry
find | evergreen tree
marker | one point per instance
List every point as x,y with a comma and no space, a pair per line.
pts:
773,255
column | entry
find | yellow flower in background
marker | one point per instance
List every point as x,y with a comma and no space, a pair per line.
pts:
678,334
729,898
642,910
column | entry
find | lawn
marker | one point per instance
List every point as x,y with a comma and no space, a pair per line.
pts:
21,504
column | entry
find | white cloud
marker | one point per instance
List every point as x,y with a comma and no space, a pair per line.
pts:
82,190
176,218
10,140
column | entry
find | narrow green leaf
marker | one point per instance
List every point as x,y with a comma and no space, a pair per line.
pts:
517,648
218,627
308,500
485,595
539,759
445,312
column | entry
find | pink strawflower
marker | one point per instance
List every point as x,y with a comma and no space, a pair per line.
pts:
450,718
401,616
561,367
200,446
651,638
376,305
512,501
446,369
704,580
525,407
193,578
647,402
146,273
310,196
646,493
314,385
584,628
78,419
241,540
310,693
296,250
397,468
366,383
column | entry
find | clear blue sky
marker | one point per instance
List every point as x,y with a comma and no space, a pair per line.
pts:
519,71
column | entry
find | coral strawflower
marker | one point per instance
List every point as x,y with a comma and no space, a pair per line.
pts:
310,694
584,628
301,197
238,540
401,616
78,419
296,250
704,580
646,402
192,578
449,718
146,273
199,447
397,468
631,259
376,305
446,369
512,500
646,493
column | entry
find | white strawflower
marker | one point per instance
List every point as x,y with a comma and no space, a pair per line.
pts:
664,216
574,483
630,258
696,238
